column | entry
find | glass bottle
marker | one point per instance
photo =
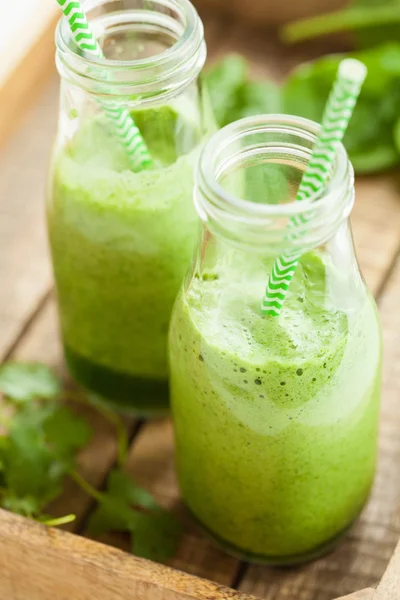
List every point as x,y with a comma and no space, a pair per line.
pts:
121,241
275,417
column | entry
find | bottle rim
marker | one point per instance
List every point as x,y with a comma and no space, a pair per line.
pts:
231,215
173,68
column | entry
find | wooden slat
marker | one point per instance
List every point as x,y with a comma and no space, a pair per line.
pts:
41,341
362,557
42,564
26,81
151,464
376,226
389,587
24,268
361,595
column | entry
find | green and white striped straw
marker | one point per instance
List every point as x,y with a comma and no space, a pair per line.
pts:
339,108
125,128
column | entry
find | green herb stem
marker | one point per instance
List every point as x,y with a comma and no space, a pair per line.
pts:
120,429
111,417
85,485
57,522
343,20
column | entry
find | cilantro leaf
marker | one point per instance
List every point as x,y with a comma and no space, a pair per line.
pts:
111,514
30,467
23,382
37,451
122,486
115,511
155,535
66,432
21,505
125,506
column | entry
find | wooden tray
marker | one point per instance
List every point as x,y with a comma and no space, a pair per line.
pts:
41,564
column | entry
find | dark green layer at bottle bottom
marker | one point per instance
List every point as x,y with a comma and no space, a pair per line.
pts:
141,396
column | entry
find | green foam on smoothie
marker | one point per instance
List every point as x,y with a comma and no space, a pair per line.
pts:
307,335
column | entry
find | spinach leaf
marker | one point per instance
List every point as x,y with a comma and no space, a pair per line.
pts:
258,97
370,137
225,81
234,96
385,22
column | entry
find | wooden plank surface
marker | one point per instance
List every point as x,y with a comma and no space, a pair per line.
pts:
389,587
366,594
27,80
376,226
25,276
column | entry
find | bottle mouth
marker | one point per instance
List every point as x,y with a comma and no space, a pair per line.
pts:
258,210
150,47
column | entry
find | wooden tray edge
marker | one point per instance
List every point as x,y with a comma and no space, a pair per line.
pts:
52,563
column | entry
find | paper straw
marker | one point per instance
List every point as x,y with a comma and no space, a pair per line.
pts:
125,128
338,110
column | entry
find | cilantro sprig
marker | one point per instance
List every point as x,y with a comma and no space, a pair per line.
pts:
125,506
40,438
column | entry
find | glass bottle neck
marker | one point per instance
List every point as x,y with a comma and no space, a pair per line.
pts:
247,180
152,49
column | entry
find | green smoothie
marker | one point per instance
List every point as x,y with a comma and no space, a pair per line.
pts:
275,418
121,243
